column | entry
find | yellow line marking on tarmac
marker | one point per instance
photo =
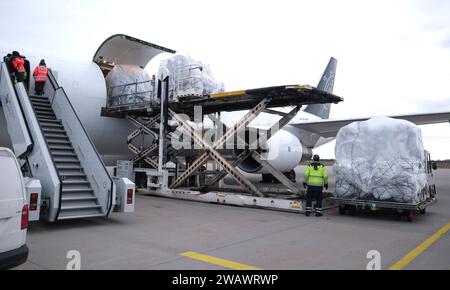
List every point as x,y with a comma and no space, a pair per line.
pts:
218,261
408,258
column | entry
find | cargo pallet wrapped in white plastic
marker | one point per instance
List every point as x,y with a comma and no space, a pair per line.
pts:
380,159
189,78
129,85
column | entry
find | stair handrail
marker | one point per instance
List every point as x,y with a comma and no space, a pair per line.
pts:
10,83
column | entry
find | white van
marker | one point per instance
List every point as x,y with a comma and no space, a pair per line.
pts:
13,212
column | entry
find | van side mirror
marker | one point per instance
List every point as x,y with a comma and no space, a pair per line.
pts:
434,166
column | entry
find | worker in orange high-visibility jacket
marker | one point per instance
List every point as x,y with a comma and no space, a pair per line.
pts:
18,65
40,77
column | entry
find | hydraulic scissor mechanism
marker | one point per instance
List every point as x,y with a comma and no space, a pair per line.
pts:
146,130
256,155
211,150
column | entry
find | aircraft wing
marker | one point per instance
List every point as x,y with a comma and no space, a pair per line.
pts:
329,128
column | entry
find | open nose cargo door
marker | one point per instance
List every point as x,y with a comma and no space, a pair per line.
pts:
126,50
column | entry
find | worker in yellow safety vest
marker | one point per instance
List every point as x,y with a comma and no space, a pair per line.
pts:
316,178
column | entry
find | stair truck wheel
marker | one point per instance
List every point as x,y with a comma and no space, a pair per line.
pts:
342,210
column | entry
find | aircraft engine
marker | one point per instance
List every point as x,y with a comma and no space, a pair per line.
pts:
284,151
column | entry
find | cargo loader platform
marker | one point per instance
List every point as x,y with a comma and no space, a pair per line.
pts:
281,96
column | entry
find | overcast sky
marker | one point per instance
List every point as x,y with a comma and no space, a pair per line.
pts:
394,56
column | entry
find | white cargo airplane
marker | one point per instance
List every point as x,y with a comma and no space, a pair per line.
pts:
85,85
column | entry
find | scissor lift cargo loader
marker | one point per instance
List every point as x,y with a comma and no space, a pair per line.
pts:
166,177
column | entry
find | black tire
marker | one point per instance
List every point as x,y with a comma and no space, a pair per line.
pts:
351,210
342,210
410,216
291,175
266,178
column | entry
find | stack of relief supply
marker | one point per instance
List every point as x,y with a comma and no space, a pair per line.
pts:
189,77
380,159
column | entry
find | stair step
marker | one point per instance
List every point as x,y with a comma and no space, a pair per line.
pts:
64,159
57,149
80,204
77,190
68,167
76,182
79,207
35,100
64,154
59,142
50,125
79,197
51,121
57,139
85,214
80,189
42,106
66,162
36,97
73,175
80,179
43,112
47,118
51,130
41,117
56,136
60,147
42,109
58,152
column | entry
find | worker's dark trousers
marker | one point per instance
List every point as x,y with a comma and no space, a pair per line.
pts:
20,77
314,192
39,88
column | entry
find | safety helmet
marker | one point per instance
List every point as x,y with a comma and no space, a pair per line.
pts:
316,157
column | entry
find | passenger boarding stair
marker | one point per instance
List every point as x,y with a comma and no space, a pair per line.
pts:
78,198
45,132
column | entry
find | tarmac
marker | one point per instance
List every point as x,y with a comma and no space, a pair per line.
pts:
181,235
